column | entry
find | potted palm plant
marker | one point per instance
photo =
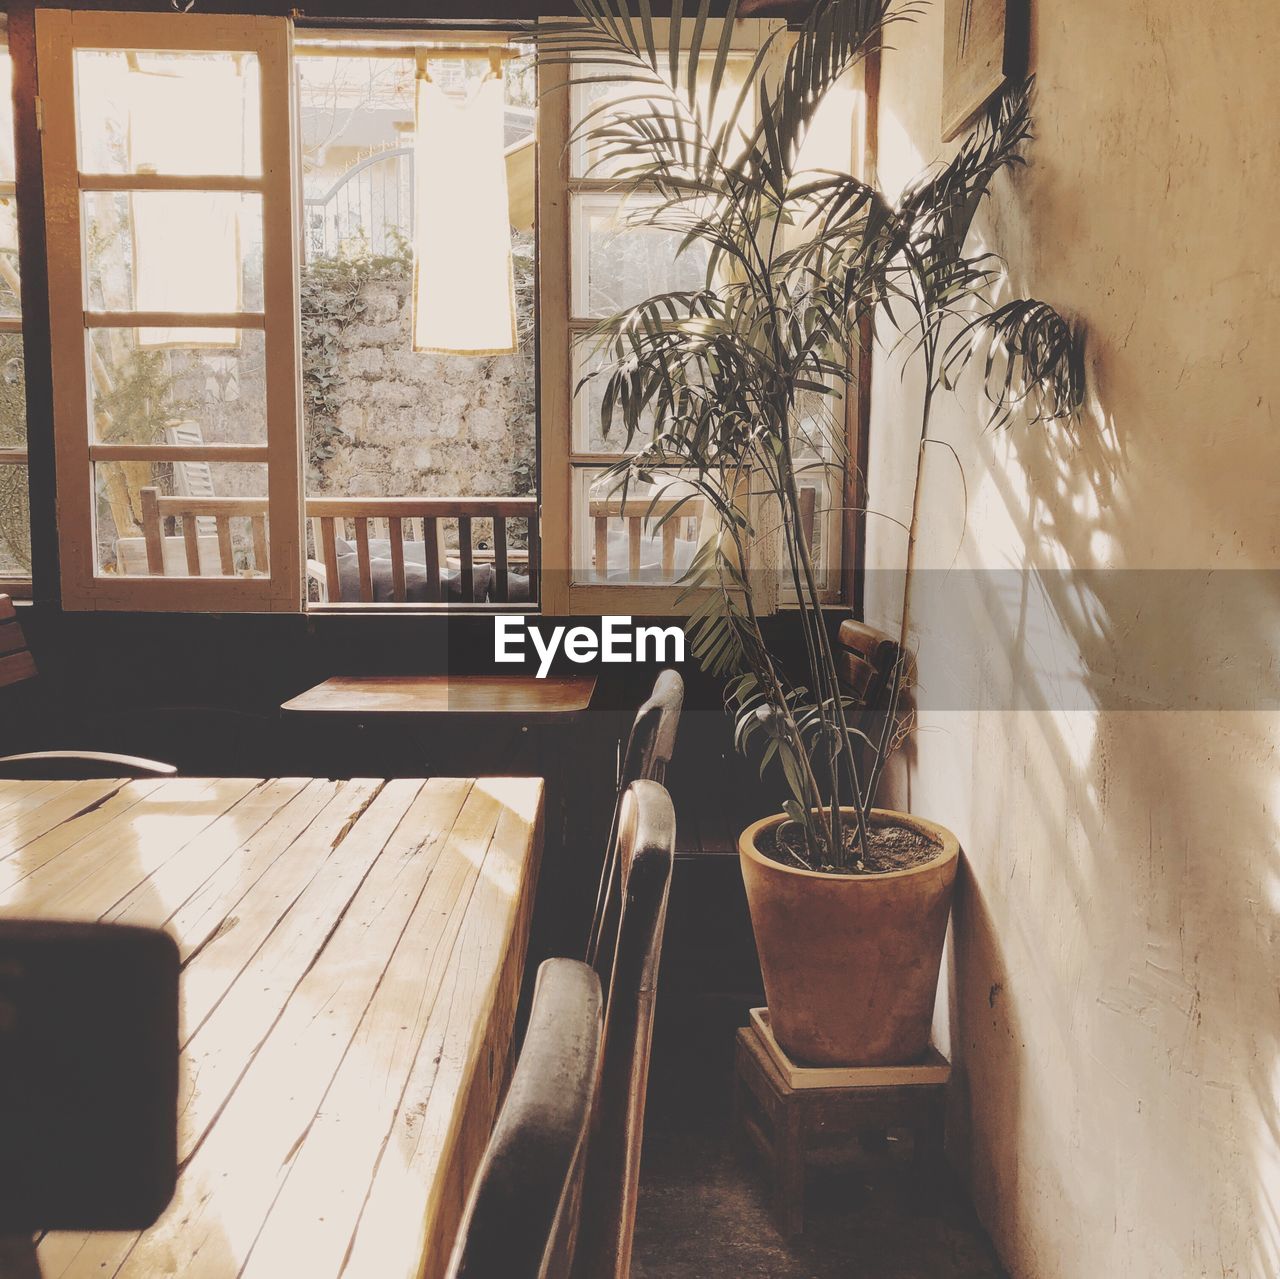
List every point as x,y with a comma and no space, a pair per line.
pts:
715,389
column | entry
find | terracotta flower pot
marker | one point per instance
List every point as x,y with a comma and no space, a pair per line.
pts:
850,962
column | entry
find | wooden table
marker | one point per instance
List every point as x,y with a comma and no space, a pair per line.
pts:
352,960
374,696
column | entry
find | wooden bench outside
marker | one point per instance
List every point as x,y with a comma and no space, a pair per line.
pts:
403,522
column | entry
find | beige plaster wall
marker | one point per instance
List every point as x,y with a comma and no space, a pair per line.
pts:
1112,998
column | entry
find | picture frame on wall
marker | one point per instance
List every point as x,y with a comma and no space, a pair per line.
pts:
985,45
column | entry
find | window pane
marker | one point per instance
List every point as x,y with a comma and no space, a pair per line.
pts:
146,388
13,393
15,508
10,288
131,504
169,113
622,536
643,96
589,435
616,265
15,521
820,486
192,251
8,171
381,419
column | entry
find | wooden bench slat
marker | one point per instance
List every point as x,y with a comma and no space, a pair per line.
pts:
501,586
261,556
362,558
226,559
153,531
431,551
467,577
602,546
395,532
191,542
330,539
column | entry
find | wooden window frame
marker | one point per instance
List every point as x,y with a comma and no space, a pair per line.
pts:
558,330
59,33
14,587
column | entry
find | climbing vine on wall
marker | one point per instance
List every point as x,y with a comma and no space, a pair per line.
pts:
334,297
15,511
331,300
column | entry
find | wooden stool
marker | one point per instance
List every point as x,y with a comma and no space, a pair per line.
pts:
787,1111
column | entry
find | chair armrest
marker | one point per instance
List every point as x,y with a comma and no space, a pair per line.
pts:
79,766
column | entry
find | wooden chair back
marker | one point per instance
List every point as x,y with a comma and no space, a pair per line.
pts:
865,661
650,745
646,841
521,1217
18,666
79,766
16,661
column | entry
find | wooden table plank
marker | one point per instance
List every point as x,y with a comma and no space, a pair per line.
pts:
223,944
53,843
154,900
315,1216
352,959
219,1052
522,696
20,824
231,1181
124,853
29,794
445,1114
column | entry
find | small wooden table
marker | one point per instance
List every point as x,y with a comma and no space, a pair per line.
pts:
375,696
352,960
788,1112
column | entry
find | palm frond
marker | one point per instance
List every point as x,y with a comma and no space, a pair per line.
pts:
738,383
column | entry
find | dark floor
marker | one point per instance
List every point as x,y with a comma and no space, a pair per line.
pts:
703,1214
703,1202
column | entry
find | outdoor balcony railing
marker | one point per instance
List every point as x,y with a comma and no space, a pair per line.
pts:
365,550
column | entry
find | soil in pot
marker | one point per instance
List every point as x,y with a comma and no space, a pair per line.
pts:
890,847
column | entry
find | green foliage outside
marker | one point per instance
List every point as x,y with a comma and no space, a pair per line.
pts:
15,509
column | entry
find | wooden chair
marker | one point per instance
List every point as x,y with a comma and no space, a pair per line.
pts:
649,749
646,842
865,662
680,513
521,1216
18,667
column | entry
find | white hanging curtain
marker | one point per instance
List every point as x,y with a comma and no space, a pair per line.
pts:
463,287
186,246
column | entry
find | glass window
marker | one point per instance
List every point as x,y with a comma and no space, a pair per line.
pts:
15,506
615,262
391,429
174,311
170,113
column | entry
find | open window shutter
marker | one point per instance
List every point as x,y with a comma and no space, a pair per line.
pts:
155,511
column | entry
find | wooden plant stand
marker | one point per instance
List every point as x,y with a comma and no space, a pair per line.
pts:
788,1111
